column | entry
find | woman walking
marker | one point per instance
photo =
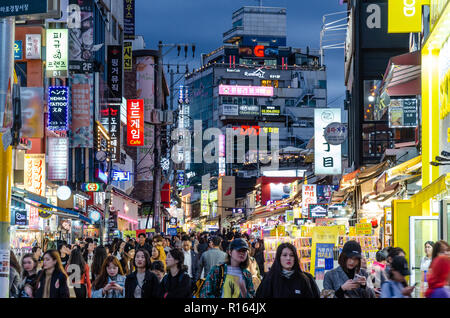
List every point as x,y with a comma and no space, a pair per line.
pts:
439,278
14,276
232,279
348,280
286,279
100,255
29,274
142,283
396,285
78,265
176,283
52,279
111,281
158,256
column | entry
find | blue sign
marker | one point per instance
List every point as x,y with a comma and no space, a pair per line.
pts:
18,50
94,215
120,175
58,115
181,179
172,231
324,256
101,175
20,217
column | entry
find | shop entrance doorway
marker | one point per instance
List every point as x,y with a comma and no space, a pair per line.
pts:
445,220
421,230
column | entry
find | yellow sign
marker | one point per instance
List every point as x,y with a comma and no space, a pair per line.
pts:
322,234
306,231
363,229
351,231
297,212
127,56
280,229
131,234
341,230
405,16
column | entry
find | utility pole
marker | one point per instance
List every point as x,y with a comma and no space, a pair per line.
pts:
7,26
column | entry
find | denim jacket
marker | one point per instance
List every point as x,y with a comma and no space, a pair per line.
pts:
120,280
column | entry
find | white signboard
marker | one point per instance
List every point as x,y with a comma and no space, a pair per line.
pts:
58,158
309,196
33,46
57,53
230,110
327,157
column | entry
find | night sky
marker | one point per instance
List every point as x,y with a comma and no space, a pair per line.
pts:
204,21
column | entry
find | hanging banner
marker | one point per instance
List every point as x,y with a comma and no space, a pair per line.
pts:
82,111
58,158
114,77
58,113
33,46
309,196
22,7
327,157
127,56
135,122
324,238
81,40
57,53
34,173
32,103
128,19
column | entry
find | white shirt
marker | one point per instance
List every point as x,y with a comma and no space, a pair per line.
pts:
425,264
188,261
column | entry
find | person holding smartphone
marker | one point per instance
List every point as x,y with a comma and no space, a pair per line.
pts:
348,280
396,286
111,281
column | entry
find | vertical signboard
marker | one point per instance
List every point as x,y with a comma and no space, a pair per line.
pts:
81,39
33,46
204,202
82,111
135,122
127,56
18,50
128,19
58,158
57,53
34,173
31,99
327,157
58,101
33,217
145,88
114,131
309,196
114,79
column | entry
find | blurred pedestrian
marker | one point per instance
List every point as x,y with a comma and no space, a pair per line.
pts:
14,276
439,278
396,285
80,270
258,254
100,255
440,248
286,279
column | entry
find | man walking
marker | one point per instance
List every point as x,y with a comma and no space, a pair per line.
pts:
190,259
212,257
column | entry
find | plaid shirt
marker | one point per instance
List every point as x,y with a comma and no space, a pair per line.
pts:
209,289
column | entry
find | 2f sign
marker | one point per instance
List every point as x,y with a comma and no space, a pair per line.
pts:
404,16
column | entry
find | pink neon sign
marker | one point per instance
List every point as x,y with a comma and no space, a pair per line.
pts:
245,90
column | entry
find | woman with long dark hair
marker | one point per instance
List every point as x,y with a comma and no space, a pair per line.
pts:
142,283
100,255
29,274
52,279
111,281
14,276
258,254
78,265
176,283
348,280
286,279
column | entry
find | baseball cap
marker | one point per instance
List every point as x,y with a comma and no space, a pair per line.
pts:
399,263
238,244
352,249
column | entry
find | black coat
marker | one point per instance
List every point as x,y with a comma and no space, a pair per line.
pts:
62,291
150,287
297,286
178,286
259,257
146,246
201,248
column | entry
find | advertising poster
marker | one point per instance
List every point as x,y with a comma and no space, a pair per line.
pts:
34,173
327,157
33,46
323,240
270,110
324,259
32,103
403,113
279,191
58,108
309,196
81,40
114,75
82,111
57,53
145,90
58,158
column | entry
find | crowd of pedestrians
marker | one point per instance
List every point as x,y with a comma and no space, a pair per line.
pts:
215,265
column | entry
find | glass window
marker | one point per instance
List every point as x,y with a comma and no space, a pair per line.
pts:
371,88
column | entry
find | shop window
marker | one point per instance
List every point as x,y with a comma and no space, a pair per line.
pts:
289,102
270,62
269,83
371,88
322,84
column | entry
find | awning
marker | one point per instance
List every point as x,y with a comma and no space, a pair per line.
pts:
438,186
348,180
405,168
402,76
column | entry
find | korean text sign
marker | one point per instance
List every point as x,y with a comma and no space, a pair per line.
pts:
327,157
58,101
135,122
57,53
34,173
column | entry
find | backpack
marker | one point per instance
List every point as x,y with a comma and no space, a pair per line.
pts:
197,287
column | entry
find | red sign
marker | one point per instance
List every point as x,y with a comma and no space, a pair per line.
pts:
259,50
135,122
248,130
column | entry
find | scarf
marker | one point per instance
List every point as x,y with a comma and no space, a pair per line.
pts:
440,268
287,273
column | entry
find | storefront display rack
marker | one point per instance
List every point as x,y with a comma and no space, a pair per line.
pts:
302,244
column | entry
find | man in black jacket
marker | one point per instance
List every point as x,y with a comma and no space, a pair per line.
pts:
143,244
191,259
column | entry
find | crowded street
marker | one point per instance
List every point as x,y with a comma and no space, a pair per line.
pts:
250,149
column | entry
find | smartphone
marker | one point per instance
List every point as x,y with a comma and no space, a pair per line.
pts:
415,285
